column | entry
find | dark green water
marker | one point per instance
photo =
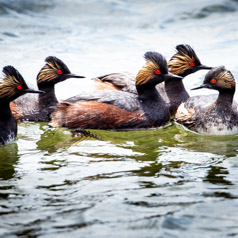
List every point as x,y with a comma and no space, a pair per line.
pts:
160,183
164,182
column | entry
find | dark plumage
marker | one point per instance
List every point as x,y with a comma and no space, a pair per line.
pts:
182,63
185,61
11,87
39,108
104,109
205,115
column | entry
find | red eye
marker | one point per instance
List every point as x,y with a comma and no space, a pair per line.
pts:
192,64
213,81
19,87
157,71
59,71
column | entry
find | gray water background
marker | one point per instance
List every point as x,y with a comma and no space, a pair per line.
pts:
166,182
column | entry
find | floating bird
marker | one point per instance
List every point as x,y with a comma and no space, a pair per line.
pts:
144,110
182,63
207,116
39,108
12,86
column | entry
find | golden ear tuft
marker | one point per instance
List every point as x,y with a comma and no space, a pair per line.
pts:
180,63
226,80
10,82
48,72
147,72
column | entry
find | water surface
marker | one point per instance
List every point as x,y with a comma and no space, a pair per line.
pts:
165,182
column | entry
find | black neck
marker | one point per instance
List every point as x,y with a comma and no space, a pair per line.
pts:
5,109
8,124
47,99
176,94
147,92
175,87
153,104
225,98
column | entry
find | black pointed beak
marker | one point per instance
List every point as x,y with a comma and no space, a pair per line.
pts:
172,76
202,86
201,66
29,90
74,76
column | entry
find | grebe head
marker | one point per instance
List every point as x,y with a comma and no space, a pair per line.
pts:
154,71
219,79
185,61
53,72
13,85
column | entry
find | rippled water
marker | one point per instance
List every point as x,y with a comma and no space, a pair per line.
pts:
165,182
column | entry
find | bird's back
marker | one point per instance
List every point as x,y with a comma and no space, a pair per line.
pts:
200,114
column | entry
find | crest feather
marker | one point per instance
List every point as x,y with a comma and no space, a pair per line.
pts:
11,79
224,77
180,62
154,61
49,70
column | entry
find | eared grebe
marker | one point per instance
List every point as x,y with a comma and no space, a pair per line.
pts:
182,63
11,86
147,109
39,108
217,117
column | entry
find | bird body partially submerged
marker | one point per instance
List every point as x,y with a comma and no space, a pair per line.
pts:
31,108
145,110
182,63
206,115
12,86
